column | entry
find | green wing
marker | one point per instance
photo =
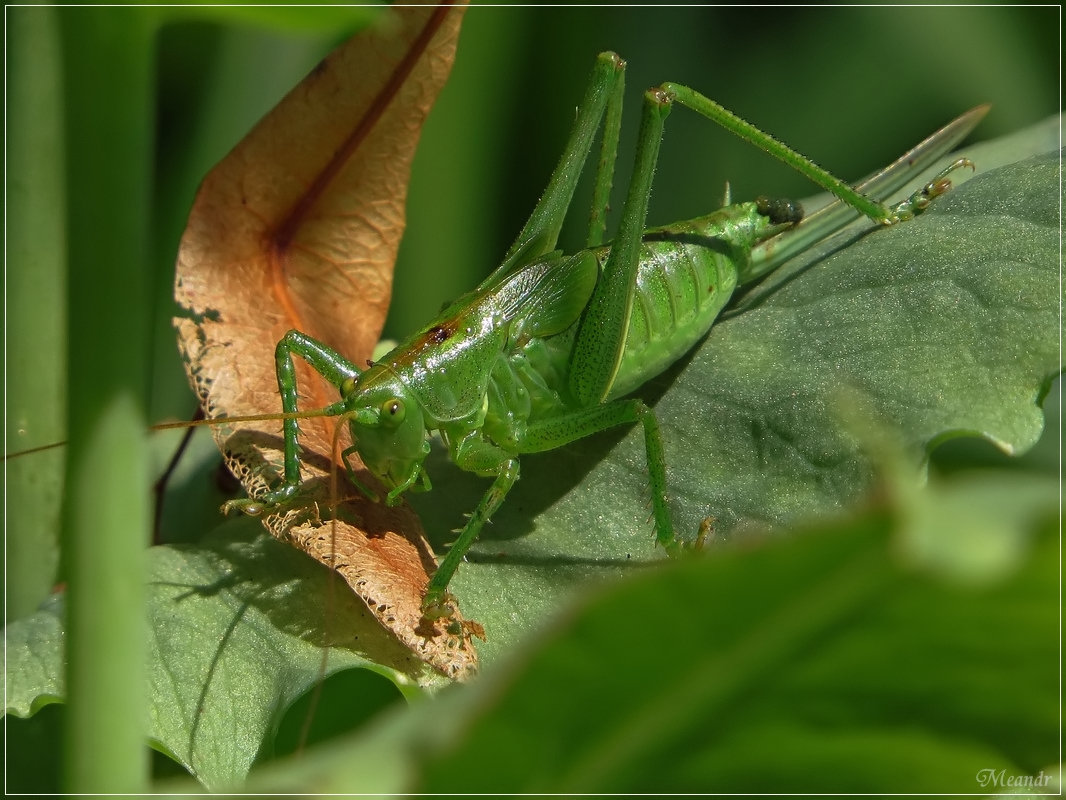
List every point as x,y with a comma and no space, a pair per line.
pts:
547,297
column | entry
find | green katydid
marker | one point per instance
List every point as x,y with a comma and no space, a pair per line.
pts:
544,351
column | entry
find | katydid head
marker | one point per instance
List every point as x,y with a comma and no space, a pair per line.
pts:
387,427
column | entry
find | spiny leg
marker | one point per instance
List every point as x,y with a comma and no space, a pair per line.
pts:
601,192
332,366
602,332
480,457
920,200
879,212
541,231
604,95
769,255
569,427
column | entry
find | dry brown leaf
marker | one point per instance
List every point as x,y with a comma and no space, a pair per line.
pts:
298,227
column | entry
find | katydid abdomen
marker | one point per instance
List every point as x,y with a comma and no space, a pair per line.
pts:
686,276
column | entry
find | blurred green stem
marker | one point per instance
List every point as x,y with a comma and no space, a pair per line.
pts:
108,68
35,328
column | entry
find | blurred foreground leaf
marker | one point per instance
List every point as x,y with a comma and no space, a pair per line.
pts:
826,661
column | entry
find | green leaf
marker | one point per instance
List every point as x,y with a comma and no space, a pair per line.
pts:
238,625
33,651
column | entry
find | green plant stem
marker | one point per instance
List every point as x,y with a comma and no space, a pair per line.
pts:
35,327
109,73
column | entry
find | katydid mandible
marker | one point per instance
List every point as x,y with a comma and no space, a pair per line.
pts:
544,351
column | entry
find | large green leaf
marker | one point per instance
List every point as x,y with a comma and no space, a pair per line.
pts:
814,665
238,627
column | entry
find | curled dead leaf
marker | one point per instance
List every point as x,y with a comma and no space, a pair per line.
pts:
298,228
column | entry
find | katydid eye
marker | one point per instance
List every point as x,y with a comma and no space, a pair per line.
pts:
393,411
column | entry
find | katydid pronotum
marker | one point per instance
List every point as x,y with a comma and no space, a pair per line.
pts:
544,351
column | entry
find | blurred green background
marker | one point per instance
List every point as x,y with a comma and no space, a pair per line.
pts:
850,87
